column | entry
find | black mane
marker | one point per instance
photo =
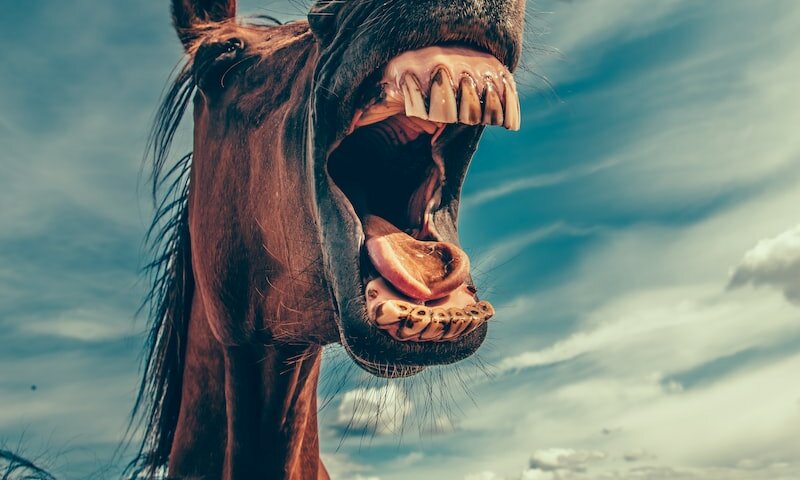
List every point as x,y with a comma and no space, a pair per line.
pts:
168,302
15,467
169,299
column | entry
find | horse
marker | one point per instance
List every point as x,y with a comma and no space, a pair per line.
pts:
319,206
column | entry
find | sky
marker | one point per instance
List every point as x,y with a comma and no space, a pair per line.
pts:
642,251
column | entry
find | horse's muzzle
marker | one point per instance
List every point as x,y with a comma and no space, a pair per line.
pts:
416,283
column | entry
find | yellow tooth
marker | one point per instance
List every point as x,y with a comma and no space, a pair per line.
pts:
417,320
443,99
470,108
492,107
458,321
476,317
512,115
473,311
406,321
486,308
391,312
438,325
412,97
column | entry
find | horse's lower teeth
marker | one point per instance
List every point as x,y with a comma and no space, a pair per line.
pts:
405,321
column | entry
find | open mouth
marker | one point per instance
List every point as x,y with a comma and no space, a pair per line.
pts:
415,278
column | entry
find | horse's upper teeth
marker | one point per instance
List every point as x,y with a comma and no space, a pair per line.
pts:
492,107
470,108
458,104
512,119
471,91
443,107
412,97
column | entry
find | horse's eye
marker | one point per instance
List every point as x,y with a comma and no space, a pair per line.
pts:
213,62
234,45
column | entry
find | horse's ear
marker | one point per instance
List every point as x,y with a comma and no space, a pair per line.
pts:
188,14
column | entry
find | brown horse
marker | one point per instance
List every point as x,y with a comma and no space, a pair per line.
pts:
319,207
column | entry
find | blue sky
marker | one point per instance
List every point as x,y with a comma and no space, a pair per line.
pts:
639,236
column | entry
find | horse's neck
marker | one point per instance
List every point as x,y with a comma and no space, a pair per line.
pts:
246,413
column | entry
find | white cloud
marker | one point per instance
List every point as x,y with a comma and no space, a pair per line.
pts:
341,467
84,323
379,409
536,474
554,459
774,262
484,475
637,455
601,467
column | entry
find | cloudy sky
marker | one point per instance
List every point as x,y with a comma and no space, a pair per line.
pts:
643,255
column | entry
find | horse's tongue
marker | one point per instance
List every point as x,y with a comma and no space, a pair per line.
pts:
421,270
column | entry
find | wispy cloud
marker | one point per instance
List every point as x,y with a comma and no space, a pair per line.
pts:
531,182
506,249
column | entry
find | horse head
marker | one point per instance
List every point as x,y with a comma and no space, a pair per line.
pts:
321,206
327,170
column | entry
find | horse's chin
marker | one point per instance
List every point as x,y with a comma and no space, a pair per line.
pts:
397,174
386,369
